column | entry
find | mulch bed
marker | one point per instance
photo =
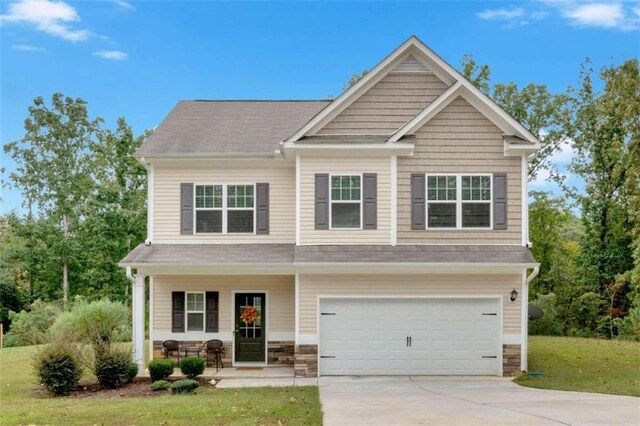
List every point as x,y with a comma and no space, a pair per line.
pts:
141,386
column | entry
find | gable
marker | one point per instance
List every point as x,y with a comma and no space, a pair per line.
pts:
460,121
404,92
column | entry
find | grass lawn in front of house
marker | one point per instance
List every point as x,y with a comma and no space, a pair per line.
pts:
22,403
586,365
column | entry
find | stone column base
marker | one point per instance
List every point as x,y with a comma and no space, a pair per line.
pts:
511,361
306,361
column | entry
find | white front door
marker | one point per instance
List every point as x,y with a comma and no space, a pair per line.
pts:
410,336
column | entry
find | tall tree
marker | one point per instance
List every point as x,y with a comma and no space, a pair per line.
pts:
543,113
54,165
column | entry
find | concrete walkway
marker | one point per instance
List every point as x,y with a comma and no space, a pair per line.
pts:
465,401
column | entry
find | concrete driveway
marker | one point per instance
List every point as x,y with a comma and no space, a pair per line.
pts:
465,401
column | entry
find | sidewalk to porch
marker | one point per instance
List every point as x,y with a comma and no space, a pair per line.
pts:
239,377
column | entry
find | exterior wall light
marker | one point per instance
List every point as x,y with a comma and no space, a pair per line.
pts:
513,295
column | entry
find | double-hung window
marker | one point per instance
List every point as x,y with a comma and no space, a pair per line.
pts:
195,311
225,209
346,201
459,201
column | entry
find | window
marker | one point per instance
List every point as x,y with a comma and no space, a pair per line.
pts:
476,202
346,201
459,201
224,209
195,311
441,201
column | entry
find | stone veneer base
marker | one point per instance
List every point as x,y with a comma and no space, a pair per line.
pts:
511,361
278,353
306,361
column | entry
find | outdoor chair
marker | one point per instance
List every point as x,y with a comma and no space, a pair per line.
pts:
171,350
213,350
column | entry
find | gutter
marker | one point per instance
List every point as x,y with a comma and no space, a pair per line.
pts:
130,275
533,274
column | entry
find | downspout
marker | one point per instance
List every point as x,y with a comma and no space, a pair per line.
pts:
525,317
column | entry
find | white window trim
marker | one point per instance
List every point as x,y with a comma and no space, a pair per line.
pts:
224,208
187,311
331,201
458,202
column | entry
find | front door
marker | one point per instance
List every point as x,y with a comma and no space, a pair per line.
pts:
250,310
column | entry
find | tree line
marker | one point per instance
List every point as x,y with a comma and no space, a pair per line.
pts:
85,201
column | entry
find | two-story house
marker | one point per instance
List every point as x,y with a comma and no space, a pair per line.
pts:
383,232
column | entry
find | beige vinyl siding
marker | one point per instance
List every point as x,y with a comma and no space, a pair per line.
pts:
280,299
389,104
309,166
460,140
167,180
313,285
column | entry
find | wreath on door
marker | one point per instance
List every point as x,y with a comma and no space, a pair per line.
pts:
249,314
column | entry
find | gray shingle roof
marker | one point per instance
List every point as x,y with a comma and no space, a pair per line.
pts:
209,253
228,127
414,254
288,253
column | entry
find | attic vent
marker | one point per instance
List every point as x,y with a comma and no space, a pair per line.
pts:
412,65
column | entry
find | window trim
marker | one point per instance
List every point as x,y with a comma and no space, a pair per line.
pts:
187,311
331,201
224,208
458,202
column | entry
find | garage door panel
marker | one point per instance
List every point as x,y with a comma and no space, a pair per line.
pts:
448,336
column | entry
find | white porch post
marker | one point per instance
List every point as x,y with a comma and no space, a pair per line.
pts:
137,306
524,317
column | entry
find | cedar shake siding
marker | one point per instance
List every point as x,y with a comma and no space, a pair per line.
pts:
460,140
388,105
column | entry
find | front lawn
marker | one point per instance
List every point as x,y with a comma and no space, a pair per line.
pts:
587,365
22,404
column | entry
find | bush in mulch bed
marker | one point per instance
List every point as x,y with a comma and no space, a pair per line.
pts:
113,369
160,369
58,369
160,385
192,367
184,386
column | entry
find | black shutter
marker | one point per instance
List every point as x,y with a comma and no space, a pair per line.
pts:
417,201
262,208
177,311
370,200
186,208
322,201
499,201
211,320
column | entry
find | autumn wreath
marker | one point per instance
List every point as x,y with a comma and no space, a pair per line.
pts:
249,314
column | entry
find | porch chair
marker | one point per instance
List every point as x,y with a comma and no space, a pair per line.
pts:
213,350
171,350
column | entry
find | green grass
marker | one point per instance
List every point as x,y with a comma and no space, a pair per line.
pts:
587,365
249,406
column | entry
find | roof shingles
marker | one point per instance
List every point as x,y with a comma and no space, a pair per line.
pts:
228,127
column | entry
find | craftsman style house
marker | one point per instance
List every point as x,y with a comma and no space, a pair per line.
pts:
383,232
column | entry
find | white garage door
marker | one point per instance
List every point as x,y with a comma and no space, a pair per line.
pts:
410,336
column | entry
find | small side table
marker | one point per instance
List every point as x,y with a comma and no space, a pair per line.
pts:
192,350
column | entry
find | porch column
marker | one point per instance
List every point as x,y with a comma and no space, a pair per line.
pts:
137,306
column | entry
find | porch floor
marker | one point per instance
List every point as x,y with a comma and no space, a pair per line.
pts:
238,377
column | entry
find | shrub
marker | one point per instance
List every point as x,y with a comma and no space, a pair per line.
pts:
159,385
132,372
31,327
97,323
160,369
58,369
184,386
629,326
548,325
192,366
113,369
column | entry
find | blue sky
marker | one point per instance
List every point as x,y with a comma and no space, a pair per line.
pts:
137,59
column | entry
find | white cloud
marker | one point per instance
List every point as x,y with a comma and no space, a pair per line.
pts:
605,15
564,155
112,55
123,4
501,14
51,17
26,48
